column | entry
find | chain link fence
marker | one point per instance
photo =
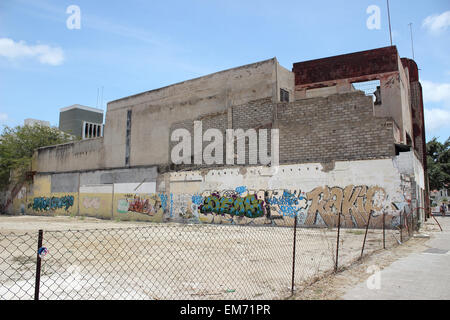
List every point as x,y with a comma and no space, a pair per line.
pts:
182,261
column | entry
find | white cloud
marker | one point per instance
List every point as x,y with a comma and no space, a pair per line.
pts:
437,22
436,119
3,116
45,54
436,92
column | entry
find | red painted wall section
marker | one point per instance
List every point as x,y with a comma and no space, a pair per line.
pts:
353,65
411,65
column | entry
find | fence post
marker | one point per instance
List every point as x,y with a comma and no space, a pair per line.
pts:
401,227
38,266
384,230
293,256
365,235
337,243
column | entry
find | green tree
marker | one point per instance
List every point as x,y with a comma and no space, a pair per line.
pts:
438,162
17,146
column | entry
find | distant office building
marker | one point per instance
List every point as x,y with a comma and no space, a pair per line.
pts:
81,121
32,122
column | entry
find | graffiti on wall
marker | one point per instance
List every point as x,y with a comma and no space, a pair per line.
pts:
320,206
354,203
91,203
182,207
51,203
289,204
249,206
139,204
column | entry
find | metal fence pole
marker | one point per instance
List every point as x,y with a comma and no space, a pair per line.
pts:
365,235
337,243
38,266
401,227
293,256
384,230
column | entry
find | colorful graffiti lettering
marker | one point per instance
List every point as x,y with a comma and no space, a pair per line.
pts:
288,204
137,204
163,199
354,203
197,199
249,206
51,203
321,206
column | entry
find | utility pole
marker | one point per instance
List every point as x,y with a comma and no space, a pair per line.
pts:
98,92
412,41
101,103
389,19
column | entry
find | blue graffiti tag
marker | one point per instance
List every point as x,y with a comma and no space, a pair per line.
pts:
163,199
53,203
241,190
286,203
197,199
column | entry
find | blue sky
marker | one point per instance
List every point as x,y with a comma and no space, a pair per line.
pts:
131,46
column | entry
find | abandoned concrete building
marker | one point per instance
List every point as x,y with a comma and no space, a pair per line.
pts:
341,151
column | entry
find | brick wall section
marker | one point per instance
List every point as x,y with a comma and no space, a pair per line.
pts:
334,128
215,121
338,127
357,64
211,121
253,115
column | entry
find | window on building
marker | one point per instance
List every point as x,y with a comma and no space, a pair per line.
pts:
128,139
284,95
370,88
92,130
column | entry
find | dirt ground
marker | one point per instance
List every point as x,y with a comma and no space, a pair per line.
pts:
34,223
333,287
99,259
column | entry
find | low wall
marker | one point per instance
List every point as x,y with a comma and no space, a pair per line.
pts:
314,193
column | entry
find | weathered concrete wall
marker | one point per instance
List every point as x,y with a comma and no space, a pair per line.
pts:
314,192
64,182
285,80
41,200
139,175
154,112
73,156
85,193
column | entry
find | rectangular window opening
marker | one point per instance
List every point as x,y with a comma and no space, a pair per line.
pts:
370,88
284,95
128,139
